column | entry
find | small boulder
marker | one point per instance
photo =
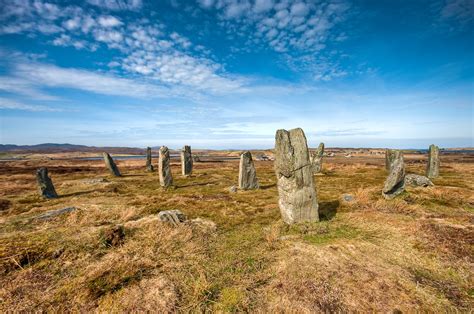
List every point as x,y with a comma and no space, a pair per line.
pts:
348,198
175,217
417,180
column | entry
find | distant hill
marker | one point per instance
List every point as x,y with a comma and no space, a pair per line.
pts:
63,148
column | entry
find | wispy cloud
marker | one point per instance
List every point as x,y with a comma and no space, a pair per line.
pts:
118,5
10,104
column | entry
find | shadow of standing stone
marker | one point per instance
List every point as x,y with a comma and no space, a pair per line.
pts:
110,163
45,185
296,188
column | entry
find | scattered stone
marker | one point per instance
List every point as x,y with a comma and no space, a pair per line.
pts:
166,179
390,156
149,164
109,162
348,156
45,185
53,213
395,182
317,158
296,188
175,217
247,174
113,236
95,181
348,198
196,158
186,161
233,189
432,168
417,180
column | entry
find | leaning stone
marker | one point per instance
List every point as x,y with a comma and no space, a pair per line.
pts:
390,156
113,236
186,161
247,174
53,213
109,162
149,164
166,179
45,185
317,158
296,188
175,217
432,168
417,180
395,182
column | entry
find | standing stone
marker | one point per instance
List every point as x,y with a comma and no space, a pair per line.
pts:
45,185
247,174
186,161
317,159
149,165
390,156
109,162
296,189
432,168
395,182
166,179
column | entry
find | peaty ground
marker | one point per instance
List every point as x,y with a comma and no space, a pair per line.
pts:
369,254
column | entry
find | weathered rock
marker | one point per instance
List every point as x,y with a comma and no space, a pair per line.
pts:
348,198
390,156
174,217
149,164
432,168
53,213
247,174
296,188
395,182
45,185
113,236
233,189
417,180
109,162
317,158
164,169
95,181
186,161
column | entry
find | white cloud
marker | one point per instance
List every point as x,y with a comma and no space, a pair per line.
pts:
109,21
10,104
261,6
117,5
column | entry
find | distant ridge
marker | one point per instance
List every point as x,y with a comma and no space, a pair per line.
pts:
63,148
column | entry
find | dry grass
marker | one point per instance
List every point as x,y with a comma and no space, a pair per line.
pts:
411,253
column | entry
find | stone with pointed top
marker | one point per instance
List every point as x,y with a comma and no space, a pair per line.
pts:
247,174
164,168
45,185
149,164
432,168
110,163
395,182
317,158
296,188
186,161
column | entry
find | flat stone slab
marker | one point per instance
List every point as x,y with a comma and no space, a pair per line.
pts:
175,217
417,180
53,213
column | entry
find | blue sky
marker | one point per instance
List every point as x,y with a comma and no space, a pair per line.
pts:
228,74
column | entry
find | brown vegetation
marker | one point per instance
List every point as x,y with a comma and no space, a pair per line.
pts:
112,253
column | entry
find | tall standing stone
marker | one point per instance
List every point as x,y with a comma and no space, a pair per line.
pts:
186,161
390,156
296,188
149,164
317,158
45,185
247,174
164,168
432,168
110,163
395,182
